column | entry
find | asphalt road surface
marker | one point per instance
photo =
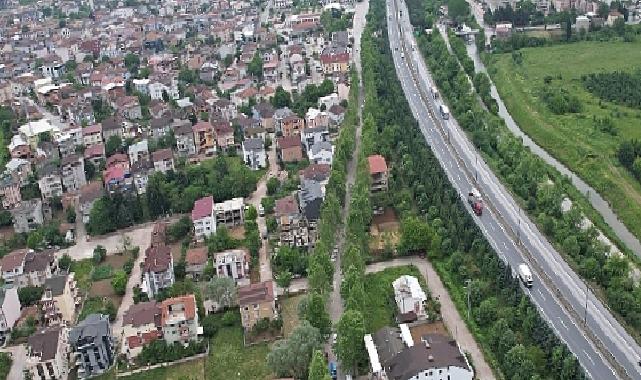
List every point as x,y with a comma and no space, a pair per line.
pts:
600,343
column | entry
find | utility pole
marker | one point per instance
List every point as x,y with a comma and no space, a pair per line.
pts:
467,285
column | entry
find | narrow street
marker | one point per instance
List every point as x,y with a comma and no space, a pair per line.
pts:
335,302
254,200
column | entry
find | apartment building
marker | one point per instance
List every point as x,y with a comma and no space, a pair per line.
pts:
73,172
179,319
230,213
60,300
92,345
256,302
9,311
50,182
158,270
47,354
203,217
233,263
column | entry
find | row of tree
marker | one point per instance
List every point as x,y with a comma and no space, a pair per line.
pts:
504,321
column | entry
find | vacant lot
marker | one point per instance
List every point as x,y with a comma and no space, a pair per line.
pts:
193,370
230,359
576,139
289,312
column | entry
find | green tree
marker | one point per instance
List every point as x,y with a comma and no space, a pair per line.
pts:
90,170
518,366
35,240
30,295
313,309
416,235
318,367
222,291
65,262
119,282
255,66
458,10
291,357
273,184
349,343
284,279
70,214
281,98
251,213
113,145
132,62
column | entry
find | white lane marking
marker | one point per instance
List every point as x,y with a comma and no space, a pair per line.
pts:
563,323
541,293
589,357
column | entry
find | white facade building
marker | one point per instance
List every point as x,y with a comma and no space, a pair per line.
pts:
409,296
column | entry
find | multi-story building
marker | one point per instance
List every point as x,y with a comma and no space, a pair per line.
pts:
92,345
410,298
9,311
230,213
233,263
49,181
335,60
292,125
73,172
204,140
378,173
158,270
138,152
163,160
10,191
196,260
256,302
394,355
179,319
288,149
27,216
92,135
88,196
47,354
185,139
140,172
60,300
203,217
254,154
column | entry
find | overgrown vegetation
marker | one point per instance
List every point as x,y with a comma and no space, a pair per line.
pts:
618,87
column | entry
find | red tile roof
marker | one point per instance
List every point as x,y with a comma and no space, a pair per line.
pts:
202,207
113,172
287,205
161,155
289,142
202,126
377,164
92,129
145,338
95,151
188,301
13,260
157,259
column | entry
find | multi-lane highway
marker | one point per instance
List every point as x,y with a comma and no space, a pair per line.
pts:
600,343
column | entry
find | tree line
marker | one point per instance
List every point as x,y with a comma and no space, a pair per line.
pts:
540,187
507,325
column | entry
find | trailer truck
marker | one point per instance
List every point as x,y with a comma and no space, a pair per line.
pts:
525,275
475,201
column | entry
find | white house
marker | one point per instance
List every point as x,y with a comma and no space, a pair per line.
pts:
9,310
393,354
321,153
158,270
254,153
138,151
203,217
410,297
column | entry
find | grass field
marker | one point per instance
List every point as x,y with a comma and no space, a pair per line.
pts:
230,360
380,307
193,370
289,312
573,138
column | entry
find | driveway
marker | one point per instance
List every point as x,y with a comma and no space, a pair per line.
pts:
19,357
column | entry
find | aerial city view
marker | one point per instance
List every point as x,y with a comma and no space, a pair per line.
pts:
320,189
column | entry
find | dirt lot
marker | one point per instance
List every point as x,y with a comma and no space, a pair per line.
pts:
384,231
103,288
421,328
237,232
116,261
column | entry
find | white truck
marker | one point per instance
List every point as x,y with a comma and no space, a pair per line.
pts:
525,275
445,112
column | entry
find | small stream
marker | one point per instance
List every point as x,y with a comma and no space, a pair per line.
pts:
600,204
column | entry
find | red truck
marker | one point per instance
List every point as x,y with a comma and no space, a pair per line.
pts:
475,200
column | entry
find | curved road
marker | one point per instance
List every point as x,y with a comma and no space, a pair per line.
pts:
597,201
600,343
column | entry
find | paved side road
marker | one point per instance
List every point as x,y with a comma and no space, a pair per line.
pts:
451,316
